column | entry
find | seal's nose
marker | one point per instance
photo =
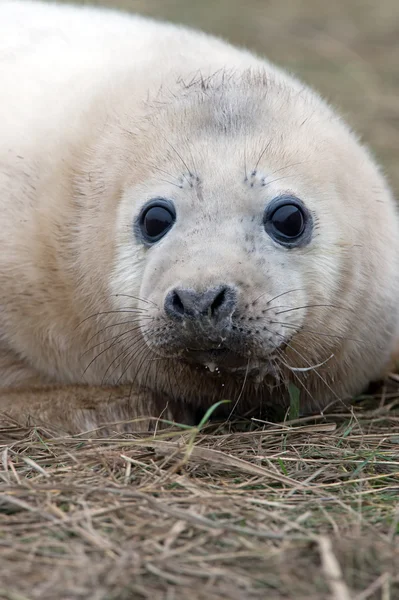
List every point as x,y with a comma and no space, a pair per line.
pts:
215,303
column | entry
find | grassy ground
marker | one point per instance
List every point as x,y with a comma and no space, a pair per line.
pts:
309,510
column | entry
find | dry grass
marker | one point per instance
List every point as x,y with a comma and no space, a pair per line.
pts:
307,510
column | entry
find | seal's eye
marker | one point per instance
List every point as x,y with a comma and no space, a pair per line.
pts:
156,219
287,221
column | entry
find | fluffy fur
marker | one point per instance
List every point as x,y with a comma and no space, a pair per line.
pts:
102,111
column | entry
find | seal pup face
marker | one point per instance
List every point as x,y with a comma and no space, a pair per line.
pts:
219,296
249,243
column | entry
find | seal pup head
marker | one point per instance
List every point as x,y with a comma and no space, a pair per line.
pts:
259,242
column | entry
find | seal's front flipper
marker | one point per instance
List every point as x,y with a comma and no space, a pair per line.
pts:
101,411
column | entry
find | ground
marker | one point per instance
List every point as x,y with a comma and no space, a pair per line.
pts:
308,509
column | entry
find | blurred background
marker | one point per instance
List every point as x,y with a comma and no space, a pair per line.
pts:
347,49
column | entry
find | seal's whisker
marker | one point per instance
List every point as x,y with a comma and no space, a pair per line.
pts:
311,368
241,391
319,333
172,388
325,382
119,324
138,342
278,295
166,173
286,310
302,357
130,354
297,378
289,166
139,298
245,161
144,360
116,337
189,171
267,183
179,186
140,355
124,351
188,146
279,368
103,352
112,312
261,154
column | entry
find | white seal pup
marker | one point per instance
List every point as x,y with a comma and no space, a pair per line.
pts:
181,223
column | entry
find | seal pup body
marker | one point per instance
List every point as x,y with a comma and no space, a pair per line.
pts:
116,127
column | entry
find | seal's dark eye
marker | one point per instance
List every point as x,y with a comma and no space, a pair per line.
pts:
287,221
156,219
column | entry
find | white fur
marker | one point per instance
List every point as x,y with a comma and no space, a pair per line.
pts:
101,111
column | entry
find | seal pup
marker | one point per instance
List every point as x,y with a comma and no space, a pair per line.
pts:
182,222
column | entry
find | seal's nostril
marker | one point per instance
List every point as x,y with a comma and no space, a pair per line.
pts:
174,305
177,304
219,301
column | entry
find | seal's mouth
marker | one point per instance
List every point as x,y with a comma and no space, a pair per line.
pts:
223,361
220,358
227,364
